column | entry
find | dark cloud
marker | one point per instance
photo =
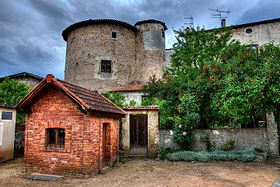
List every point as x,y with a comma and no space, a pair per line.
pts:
264,9
30,30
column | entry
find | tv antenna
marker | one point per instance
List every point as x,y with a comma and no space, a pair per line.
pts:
191,21
221,14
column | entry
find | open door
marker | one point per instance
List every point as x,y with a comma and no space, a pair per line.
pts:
138,135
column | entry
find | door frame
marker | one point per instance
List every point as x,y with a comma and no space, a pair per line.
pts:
147,126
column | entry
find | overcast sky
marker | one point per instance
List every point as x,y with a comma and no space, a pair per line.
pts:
30,30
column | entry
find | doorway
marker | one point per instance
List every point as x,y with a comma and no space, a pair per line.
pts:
106,142
138,134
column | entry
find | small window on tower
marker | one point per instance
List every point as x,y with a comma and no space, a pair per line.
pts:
106,66
114,35
162,34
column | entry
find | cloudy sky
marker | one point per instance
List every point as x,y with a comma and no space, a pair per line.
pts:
30,30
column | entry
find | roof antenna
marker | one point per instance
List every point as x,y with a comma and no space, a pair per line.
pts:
221,14
191,21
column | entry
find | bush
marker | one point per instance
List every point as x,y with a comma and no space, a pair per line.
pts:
163,152
202,156
229,145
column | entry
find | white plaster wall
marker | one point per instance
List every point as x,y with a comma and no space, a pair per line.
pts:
136,96
8,136
261,34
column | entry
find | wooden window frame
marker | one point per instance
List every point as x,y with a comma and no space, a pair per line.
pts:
57,143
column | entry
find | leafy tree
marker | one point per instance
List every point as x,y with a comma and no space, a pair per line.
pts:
117,98
11,92
216,81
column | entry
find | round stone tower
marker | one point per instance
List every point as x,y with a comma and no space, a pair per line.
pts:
107,54
150,49
99,54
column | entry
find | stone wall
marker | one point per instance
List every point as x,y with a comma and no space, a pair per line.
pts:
245,139
83,148
272,134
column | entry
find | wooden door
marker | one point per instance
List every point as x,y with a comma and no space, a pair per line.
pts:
106,142
138,135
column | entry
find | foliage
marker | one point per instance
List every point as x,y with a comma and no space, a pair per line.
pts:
117,98
165,120
215,81
164,152
209,145
11,92
202,156
229,145
132,103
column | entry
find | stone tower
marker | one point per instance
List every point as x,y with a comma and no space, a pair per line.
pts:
150,49
107,54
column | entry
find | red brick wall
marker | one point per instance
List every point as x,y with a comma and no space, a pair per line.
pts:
82,152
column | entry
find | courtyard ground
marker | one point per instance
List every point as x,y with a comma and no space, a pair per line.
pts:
157,173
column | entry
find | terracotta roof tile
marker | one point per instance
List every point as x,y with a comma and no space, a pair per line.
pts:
89,100
130,88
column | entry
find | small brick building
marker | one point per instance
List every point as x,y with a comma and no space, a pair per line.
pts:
69,128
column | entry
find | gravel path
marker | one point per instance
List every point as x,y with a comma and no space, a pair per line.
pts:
157,173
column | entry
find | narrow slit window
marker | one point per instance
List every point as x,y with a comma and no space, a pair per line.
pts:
114,35
106,66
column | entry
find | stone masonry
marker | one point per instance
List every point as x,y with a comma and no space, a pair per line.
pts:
136,53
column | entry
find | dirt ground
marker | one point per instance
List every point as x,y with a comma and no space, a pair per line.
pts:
157,173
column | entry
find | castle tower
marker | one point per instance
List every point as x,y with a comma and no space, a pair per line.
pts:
107,54
150,49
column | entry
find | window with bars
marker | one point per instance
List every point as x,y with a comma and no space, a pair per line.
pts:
106,66
55,137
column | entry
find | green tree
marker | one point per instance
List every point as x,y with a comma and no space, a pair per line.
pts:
11,92
214,80
117,98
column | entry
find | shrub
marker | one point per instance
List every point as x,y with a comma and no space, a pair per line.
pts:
163,152
202,156
229,145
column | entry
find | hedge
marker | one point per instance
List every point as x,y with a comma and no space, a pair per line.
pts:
202,156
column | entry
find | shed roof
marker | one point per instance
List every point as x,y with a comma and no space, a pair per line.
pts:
88,100
23,74
7,106
130,88
142,108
